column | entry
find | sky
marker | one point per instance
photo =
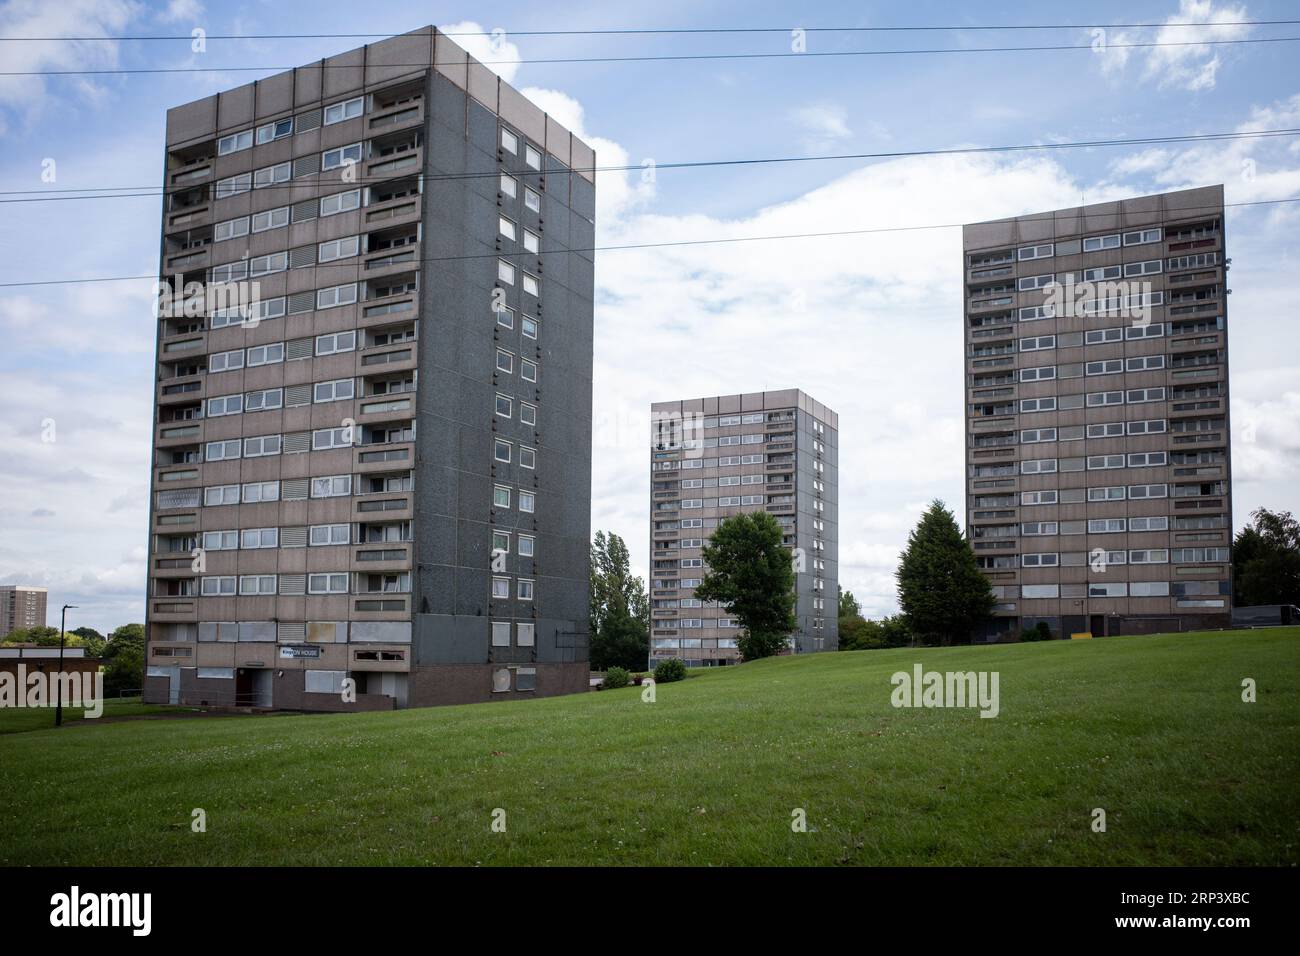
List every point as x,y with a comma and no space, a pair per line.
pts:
828,315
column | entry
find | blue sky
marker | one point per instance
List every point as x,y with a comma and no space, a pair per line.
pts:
73,509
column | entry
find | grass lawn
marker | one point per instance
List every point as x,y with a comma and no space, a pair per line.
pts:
18,720
1151,729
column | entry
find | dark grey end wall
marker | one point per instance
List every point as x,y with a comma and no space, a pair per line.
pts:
459,336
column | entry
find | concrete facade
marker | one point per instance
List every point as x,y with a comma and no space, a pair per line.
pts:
21,607
330,479
712,458
1098,458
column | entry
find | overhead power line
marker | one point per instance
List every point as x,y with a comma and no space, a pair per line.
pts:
679,243
672,31
677,57
129,192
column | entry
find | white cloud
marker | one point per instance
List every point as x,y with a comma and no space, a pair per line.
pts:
29,96
1183,60
181,11
822,126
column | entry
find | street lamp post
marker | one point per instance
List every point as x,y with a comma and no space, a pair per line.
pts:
58,677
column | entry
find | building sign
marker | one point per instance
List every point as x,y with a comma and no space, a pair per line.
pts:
291,652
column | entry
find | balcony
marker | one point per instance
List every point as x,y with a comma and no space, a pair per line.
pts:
382,457
381,556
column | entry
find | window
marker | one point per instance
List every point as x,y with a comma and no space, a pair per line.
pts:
500,588
509,186
1113,493
527,370
1097,243
264,400
336,295
1141,237
1147,459
504,406
501,450
509,141
327,584
230,229
326,438
532,242
532,157
225,361
1029,436
273,131
1154,426
225,405
525,592
259,538
1147,268
530,285
1029,283
501,635
265,265
1106,525
529,327
1105,398
346,110
527,501
505,361
271,219
216,586
501,496
234,142
1043,373
261,446
221,495
1038,343
527,545
1041,466
527,457
506,228
336,342
271,175
266,354
335,486
256,491
343,248
505,272
1154,330
532,199
1156,523
340,202
234,185
1048,560
505,316
343,156
501,542
257,584
1038,404
1107,367
1034,252
1102,336
1102,462
1139,395
220,540
221,450
1101,273
329,534
1144,363
527,413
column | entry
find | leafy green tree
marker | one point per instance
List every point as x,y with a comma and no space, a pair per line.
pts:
751,575
849,606
44,636
941,591
619,627
92,640
1266,560
857,634
124,659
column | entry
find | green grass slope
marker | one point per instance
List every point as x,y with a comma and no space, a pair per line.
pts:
1151,729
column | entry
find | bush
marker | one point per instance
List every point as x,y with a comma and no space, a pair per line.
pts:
1039,632
670,670
615,677
754,646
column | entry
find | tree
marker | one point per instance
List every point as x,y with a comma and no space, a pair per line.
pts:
92,640
619,627
750,574
941,591
43,636
1266,560
849,606
857,634
124,659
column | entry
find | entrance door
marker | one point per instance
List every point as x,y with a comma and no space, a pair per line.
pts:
1098,627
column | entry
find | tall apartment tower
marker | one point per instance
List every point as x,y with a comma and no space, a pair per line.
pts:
376,479
21,607
711,458
1098,456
